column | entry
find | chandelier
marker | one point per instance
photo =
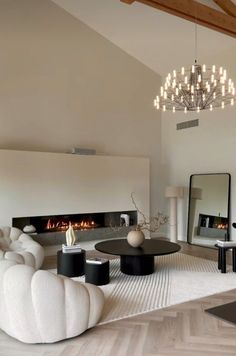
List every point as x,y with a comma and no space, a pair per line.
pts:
198,88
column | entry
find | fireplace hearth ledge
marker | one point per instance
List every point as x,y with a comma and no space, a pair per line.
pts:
58,238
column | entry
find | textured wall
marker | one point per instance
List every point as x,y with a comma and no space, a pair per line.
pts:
63,85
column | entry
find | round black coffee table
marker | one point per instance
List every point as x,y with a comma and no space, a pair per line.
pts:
137,260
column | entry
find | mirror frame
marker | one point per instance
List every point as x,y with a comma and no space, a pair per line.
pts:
228,207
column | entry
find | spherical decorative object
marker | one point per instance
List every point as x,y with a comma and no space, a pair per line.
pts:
135,238
29,229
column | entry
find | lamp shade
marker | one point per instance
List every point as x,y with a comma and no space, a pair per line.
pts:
196,193
174,192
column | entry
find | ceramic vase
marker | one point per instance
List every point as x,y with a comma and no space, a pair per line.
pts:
135,238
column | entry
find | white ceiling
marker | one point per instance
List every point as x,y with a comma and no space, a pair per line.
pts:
159,40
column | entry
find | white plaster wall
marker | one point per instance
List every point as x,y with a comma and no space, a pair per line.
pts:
208,148
62,85
35,183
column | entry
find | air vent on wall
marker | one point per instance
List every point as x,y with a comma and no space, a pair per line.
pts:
187,124
83,151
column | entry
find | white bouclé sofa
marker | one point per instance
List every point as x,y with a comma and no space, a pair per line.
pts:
37,306
20,247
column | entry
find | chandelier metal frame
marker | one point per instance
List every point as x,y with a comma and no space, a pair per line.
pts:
195,89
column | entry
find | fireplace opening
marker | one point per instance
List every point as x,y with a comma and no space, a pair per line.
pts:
55,224
61,223
212,226
80,222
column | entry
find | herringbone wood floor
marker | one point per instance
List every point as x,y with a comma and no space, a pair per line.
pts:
181,330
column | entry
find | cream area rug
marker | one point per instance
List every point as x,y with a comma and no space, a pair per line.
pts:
178,278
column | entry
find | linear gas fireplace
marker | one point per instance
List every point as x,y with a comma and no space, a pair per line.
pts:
212,226
50,229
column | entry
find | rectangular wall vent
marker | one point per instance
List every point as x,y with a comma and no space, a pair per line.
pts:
187,124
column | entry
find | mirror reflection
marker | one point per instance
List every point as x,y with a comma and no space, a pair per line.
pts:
208,218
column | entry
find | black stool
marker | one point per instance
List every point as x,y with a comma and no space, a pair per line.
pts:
222,257
97,273
71,264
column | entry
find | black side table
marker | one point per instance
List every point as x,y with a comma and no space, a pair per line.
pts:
222,257
71,264
97,273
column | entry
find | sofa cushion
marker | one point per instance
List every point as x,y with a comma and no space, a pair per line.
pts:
20,247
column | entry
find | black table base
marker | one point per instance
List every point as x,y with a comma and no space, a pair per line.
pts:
71,264
137,265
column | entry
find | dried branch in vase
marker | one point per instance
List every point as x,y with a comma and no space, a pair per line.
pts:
151,225
154,223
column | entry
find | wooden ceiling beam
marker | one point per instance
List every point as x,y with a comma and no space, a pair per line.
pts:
195,12
128,1
228,6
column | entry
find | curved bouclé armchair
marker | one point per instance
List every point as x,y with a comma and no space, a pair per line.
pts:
37,306
20,247
40,307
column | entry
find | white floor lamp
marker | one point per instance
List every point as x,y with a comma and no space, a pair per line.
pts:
173,193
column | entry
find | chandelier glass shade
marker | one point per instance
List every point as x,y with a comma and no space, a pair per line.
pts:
198,88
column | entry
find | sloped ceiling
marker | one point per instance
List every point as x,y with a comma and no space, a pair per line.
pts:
159,40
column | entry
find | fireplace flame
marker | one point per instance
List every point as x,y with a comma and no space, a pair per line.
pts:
222,226
64,225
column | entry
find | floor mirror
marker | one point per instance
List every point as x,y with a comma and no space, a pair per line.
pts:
209,208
